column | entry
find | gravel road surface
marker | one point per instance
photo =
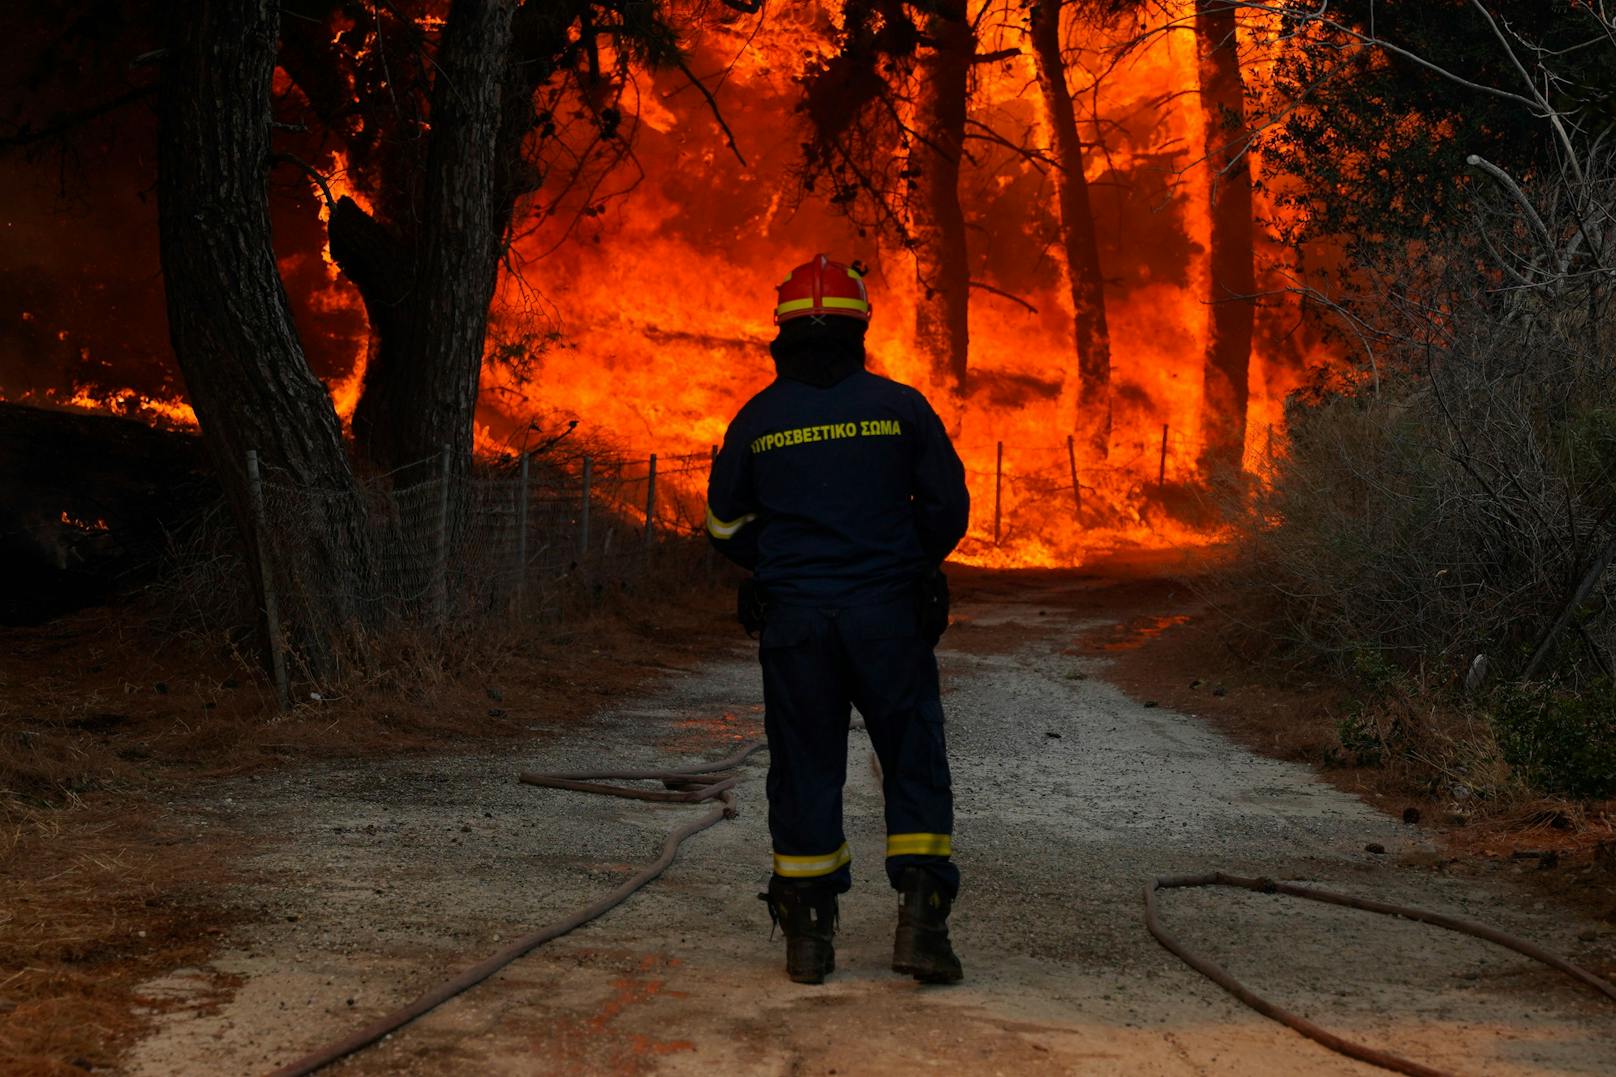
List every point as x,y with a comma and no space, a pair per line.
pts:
380,878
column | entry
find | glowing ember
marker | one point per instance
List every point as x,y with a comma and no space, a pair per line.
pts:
82,525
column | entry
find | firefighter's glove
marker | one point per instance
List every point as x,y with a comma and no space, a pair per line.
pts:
750,606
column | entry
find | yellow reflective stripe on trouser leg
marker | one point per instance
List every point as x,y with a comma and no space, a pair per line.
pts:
806,867
919,845
726,529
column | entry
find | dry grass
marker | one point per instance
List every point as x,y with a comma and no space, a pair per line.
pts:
96,900
102,888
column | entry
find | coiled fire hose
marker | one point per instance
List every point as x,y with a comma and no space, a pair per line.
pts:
695,784
1384,1059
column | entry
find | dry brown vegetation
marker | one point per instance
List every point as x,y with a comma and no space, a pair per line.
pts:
104,712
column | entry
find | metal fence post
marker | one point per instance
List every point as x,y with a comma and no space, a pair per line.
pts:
272,617
521,534
1077,487
650,501
440,570
583,511
998,491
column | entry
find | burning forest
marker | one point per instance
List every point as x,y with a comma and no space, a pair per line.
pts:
1073,249
1107,399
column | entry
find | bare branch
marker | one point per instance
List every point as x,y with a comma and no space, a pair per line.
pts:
66,122
1505,181
313,173
1549,110
1004,294
712,104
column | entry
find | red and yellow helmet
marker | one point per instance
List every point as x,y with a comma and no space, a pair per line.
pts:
823,287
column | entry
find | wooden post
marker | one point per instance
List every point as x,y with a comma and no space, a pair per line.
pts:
650,501
1161,471
998,491
521,534
583,511
440,570
266,579
1077,488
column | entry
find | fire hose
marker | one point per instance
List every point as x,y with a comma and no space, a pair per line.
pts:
705,782
695,784
1384,1059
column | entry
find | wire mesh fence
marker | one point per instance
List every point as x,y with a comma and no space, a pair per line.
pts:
542,533
529,538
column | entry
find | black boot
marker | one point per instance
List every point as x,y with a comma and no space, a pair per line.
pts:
921,948
807,915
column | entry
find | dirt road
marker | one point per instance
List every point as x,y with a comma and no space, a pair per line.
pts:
387,877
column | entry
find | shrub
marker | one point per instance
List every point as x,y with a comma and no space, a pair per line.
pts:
1561,742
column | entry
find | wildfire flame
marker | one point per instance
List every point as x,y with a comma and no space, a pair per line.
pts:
646,317
661,307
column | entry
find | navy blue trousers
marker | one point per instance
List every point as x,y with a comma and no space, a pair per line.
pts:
817,663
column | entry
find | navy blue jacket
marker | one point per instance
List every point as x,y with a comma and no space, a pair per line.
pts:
837,495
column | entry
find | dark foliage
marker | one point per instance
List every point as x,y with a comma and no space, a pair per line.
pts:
1379,141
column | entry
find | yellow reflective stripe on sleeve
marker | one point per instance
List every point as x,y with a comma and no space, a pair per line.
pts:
806,867
725,529
919,845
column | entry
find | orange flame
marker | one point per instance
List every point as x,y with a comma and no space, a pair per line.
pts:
652,324
82,525
646,317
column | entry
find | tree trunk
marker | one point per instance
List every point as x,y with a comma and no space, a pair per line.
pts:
229,319
420,389
942,269
1232,278
1091,337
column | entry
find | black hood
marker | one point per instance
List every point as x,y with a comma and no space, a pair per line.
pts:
819,351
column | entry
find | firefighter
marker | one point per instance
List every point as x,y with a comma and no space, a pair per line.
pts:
841,492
